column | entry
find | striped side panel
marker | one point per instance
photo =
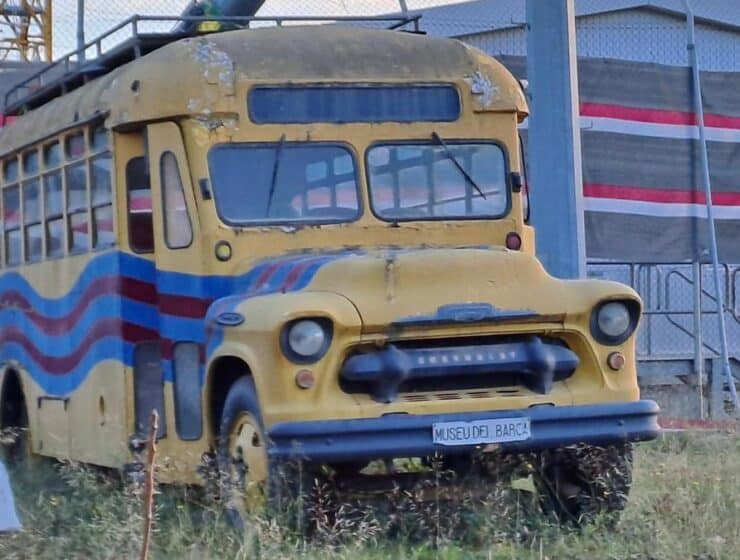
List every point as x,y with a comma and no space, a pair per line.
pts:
643,189
120,300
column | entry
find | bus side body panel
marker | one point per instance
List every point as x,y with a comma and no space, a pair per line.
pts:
69,327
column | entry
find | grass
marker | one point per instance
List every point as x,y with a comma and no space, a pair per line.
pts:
685,504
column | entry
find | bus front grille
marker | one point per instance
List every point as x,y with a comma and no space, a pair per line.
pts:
458,368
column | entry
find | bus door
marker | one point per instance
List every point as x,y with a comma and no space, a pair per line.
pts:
179,282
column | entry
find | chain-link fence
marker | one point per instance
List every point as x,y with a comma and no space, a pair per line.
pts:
625,118
671,329
101,15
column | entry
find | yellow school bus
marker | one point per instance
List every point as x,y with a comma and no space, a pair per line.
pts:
298,243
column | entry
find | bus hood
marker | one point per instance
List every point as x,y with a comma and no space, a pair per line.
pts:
430,285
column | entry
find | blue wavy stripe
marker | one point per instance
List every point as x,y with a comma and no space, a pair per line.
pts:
104,307
144,315
179,328
106,348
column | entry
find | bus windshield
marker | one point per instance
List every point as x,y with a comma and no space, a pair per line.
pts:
284,183
447,180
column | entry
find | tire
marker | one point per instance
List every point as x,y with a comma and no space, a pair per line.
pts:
583,483
16,440
251,484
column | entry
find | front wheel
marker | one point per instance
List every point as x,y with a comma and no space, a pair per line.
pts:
581,483
242,454
252,484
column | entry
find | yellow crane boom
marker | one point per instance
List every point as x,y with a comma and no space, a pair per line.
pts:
25,30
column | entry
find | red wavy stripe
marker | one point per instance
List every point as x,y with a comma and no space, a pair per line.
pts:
624,192
183,306
265,276
658,116
295,274
136,290
59,365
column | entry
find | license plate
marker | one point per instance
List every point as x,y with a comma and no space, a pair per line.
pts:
500,430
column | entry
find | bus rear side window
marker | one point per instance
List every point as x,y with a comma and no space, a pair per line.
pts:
12,225
102,201
77,217
32,220
140,225
53,202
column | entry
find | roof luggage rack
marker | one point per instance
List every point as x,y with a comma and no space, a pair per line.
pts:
75,69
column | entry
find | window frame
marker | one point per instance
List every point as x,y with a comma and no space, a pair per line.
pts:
25,183
92,154
162,188
147,166
25,179
48,171
351,85
449,142
87,130
67,163
18,227
349,148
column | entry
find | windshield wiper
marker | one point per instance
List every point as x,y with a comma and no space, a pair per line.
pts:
438,139
275,168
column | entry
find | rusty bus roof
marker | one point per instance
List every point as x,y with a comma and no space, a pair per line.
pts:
208,72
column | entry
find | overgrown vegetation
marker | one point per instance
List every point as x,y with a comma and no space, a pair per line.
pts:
685,503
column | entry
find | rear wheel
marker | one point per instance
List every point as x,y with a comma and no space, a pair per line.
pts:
579,484
14,436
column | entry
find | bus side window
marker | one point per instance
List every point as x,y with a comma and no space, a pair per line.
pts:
139,189
53,206
11,225
32,230
75,175
102,201
178,232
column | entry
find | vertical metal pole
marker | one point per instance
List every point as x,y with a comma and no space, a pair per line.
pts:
404,6
648,291
555,138
48,22
698,338
691,47
81,30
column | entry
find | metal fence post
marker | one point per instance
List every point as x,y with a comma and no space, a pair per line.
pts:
81,30
698,339
691,47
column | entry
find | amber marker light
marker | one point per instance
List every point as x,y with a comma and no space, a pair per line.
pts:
305,379
513,241
615,361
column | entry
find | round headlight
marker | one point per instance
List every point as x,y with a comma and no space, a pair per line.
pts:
614,319
306,338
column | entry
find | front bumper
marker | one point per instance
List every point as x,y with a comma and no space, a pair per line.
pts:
406,435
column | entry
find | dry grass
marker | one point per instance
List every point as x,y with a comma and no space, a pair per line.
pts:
685,503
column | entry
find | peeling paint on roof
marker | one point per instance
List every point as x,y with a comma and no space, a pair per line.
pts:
481,86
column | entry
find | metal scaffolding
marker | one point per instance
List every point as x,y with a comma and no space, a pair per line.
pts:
25,30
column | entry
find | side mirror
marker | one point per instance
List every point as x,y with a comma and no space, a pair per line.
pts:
519,185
